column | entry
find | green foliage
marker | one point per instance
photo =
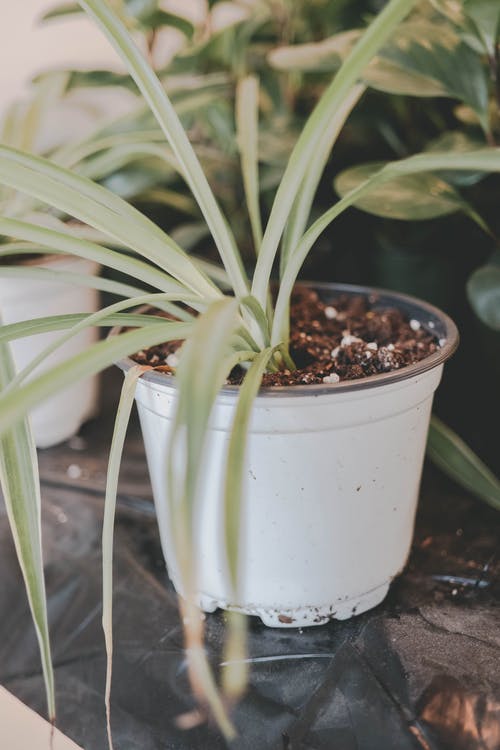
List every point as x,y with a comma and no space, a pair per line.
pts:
431,59
415,197
21,491
456,459
483,291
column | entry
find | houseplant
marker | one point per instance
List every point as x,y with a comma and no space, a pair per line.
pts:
294,52
233,328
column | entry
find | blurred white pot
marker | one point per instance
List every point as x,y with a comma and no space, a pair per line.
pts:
332,480
61,416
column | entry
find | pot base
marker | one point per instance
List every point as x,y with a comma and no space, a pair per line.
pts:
303,617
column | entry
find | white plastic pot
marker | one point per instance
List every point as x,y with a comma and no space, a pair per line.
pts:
331,484
61,416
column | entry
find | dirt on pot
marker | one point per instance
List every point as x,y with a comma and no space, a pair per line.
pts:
346,339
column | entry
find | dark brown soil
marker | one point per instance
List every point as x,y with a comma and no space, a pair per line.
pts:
347,339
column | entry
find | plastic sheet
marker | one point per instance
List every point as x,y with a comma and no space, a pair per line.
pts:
420,671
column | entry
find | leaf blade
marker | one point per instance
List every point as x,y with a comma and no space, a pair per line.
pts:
21,489
122,418
247,126
454,457
160,104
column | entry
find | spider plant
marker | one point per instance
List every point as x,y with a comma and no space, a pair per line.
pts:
438,50
237,325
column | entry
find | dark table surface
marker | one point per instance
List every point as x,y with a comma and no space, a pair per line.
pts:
421,671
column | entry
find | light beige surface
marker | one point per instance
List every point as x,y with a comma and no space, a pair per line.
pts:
23,729
28,47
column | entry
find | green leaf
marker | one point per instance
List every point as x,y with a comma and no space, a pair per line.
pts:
341,87
258,314
160,18
247,126
99,78
122,418
487,160
71,155
66,9
134,178
35,326
103,210
204,364
122,155
177,201
66,277
235,459
426,58
412,197
301,209
76,322
483,292
154,93
324,56
21,490
485,15
200,374
457,460
236,664
89,362
66,242
456,140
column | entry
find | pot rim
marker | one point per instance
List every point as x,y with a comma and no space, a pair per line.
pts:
448,332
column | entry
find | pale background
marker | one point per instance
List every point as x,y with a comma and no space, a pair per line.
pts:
27,47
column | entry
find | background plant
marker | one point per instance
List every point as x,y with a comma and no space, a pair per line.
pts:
230,329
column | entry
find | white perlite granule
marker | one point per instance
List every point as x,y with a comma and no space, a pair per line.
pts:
348,340
330,313
73,471
172,360
332,378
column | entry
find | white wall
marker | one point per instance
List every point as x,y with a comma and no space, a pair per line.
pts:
28,47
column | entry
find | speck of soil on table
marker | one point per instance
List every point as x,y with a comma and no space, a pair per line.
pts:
346,339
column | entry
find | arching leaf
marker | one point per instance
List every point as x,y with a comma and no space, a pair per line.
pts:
449,452
483,291
413,197
428,58
323,56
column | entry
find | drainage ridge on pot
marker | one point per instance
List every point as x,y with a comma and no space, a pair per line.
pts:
332,476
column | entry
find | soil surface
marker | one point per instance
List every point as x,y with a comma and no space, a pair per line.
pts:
347,339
